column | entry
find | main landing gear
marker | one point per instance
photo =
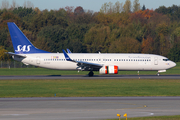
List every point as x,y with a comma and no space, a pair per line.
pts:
90,74
158,74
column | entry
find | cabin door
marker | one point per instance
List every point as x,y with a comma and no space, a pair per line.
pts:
38,60
155,61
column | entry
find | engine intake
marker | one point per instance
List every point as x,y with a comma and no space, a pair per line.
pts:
112,69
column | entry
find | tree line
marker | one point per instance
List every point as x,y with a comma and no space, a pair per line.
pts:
116,28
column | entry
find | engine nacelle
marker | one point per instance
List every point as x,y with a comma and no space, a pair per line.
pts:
112,69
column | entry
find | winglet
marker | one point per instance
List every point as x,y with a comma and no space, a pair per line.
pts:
66,56
68,51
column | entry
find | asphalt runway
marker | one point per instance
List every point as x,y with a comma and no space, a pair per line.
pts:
94,77
86,108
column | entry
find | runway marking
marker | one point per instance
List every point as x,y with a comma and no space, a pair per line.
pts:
152,114
14,114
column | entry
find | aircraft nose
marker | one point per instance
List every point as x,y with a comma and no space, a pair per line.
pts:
173,64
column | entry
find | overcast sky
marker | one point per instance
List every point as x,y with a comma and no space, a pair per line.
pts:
94,5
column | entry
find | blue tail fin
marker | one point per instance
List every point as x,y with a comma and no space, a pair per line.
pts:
20,42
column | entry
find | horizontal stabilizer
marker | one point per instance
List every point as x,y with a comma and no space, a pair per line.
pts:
13,54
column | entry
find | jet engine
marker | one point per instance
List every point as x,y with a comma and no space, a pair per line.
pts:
112,69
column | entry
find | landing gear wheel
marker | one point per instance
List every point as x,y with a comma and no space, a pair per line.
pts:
158,74
91,74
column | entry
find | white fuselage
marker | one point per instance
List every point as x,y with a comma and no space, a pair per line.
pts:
123,61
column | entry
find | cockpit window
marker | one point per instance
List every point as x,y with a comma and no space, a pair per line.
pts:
165,59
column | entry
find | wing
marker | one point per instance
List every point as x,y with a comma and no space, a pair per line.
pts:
83,65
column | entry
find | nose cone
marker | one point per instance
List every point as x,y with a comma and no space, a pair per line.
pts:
173,64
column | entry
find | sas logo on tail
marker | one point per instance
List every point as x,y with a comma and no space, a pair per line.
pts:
23,48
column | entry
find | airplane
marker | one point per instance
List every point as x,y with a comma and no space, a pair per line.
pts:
105,63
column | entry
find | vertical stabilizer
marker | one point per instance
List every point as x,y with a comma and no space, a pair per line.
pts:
20,42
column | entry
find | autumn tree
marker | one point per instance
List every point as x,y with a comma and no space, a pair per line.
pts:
175,35
174,52
125,45
14,4
23,12
103,18
116,28
43,44
107,8
70,14
110,8
147,45
104,8
127,6
164,42
36,9
82,17
3,37
136,6
28,4
52,36
78,10
173,12
118,7
3,55
4,4
97,39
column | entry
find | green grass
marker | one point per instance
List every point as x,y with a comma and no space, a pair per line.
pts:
38,71
89,88
42,71
177,117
